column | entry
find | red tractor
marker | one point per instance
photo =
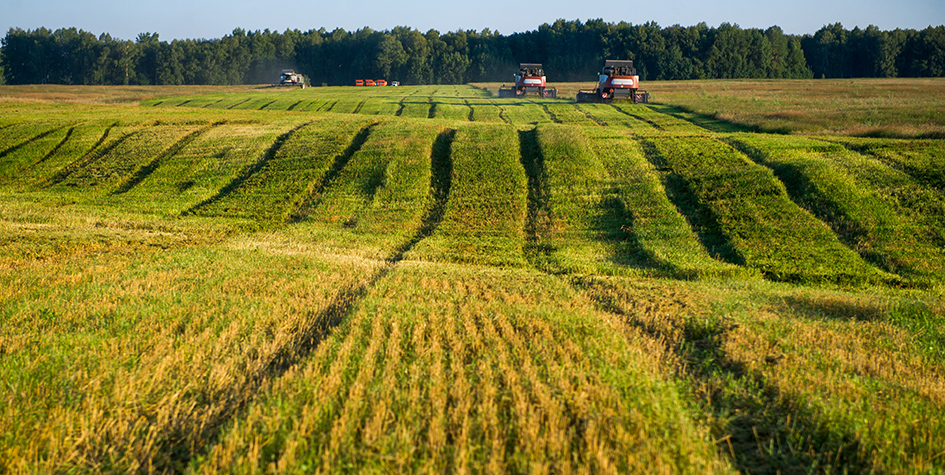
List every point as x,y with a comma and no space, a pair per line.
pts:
529,80
618,80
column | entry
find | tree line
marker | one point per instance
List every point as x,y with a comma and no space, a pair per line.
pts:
569,50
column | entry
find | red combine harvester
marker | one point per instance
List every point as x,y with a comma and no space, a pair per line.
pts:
618,80
529,80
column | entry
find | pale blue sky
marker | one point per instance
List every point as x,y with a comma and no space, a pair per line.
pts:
215,18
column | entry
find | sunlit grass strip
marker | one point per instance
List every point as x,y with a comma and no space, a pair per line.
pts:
659,118
451,109
636,216
415,107
484,218
379,106
866,202
377,201
448,368
484,110
750,208
607,115
566,113
283,180
522,112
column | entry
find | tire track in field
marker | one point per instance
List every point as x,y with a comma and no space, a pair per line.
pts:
267,105
248,171
146,170
591,117
700,218
94,154
308,204
315,326
56,148
293,106
637,117
28,141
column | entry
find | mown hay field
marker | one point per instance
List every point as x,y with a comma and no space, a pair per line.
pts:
432,280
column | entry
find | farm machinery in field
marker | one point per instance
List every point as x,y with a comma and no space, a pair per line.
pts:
530,79
617,80
291,78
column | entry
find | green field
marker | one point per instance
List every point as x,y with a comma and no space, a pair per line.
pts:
428,279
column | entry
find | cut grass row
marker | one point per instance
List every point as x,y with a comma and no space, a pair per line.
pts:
601,209
745,216
451,103
720,195
884,214
799,379
484,218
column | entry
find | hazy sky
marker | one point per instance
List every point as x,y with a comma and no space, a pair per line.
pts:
215,18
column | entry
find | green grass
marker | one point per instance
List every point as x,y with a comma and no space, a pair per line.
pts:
484,219
877,210
747,212
283,175
381,194
266,280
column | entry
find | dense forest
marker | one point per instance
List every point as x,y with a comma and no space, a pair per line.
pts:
570,51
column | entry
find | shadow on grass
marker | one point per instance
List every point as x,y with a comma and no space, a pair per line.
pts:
538,220
758,426
441,164
700,218
712,122
310,202
615,227
247,172
146,170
